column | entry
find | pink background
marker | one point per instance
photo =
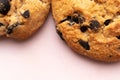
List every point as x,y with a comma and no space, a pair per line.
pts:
46,57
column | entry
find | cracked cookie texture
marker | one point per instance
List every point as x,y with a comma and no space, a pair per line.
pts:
90,27
19,19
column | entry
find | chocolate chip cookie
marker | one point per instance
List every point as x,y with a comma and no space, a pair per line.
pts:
19,19
90,27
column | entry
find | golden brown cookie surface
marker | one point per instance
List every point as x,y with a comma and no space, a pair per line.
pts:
90,27
19,19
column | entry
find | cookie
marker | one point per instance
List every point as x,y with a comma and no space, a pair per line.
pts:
19,19
90,27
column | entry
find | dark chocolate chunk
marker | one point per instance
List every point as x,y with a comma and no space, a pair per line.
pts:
107,22
26,14
84,44
94,24
118,37
4,6
84,28
60,34
11,27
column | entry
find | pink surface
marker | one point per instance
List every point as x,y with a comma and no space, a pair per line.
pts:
46,57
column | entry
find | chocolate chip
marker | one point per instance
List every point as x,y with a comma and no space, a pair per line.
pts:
78,19
63,20
94,24
4,6
84,44
26,14
9,30
11,27
118,13
68,18
110,56
118,37
107,22
84,28
60,34
75,18
118,48
81,19
1,24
